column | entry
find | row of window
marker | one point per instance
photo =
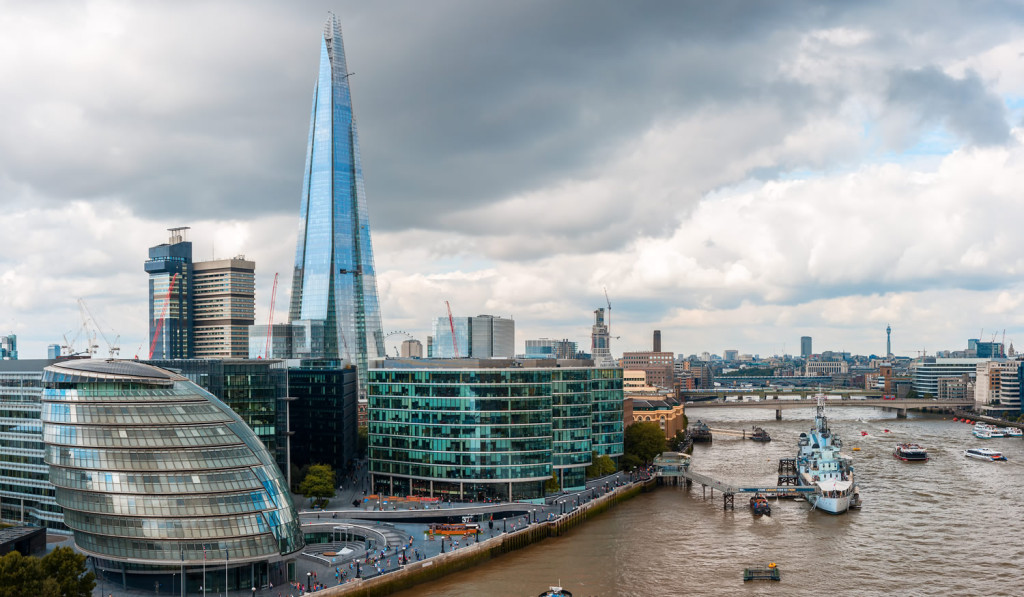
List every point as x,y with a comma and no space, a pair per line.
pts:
510,473
454,445
137,460
160,414
203,482
175,551
467,404
169,528
158,505
459,431
136,437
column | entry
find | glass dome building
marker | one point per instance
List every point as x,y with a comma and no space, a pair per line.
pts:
158,478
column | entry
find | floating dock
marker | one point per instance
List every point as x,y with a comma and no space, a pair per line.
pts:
762,572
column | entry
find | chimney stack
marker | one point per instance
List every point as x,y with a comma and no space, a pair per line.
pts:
657,340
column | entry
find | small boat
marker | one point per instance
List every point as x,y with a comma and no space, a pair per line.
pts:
863,433
759,505
555,592
760,435
984,454
1013,432
910,453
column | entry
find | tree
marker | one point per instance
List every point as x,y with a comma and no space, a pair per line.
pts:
677,441
551,485
363,441
600,466
642,442
61,573
319,482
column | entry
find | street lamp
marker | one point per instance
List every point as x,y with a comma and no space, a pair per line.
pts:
309,576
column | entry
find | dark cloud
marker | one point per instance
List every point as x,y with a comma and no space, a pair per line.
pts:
964,105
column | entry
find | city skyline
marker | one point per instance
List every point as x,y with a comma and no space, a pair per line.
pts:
735,178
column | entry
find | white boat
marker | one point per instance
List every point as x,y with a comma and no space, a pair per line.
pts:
986,431
820,465
983,454
1013,432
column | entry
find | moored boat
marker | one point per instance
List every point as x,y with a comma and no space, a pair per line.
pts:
820,465
760,435
555,592
759,505
1013,432
983,454
910,453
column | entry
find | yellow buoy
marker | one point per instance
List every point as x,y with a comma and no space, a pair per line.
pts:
771,565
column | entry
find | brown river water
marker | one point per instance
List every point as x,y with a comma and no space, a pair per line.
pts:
950,526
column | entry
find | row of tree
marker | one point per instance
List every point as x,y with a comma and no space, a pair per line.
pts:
60,573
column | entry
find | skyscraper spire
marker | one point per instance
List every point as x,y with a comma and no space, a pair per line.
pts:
335,282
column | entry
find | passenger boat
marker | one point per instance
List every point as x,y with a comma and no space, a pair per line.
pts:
759,505
555,592
470,528
760,435
820,465
984,454
910,453
984,431
1013,432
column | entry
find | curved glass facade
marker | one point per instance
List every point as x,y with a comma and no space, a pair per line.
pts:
152,470
475,434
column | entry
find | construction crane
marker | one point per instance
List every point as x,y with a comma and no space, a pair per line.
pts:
112,348
270,323
451,323
608,322
163,315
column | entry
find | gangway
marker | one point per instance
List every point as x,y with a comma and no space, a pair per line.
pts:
669,465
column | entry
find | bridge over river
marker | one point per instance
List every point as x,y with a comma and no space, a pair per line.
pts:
780,404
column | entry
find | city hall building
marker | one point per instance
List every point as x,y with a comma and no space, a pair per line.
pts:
156,477
473,430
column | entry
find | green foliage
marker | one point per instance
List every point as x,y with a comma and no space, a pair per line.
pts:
677,441
60,573
600,466
318,482
363,441
643,441
551,485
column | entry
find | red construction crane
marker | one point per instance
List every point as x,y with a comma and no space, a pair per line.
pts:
270,324
451,322
163,315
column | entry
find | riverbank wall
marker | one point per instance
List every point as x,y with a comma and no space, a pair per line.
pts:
482,551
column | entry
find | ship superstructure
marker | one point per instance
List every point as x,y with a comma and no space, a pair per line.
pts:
820,465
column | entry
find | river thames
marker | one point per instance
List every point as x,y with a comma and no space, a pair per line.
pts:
950,526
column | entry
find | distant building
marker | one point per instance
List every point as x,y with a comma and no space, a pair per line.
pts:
224,295
657,341
998,386
805,347
657,367
170,297
601,341
826,368
546,348
985,350
9,348
480,337
927,372
52,351
666,411
412,349
279,345
731,356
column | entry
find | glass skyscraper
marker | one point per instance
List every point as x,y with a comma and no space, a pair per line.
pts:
334,280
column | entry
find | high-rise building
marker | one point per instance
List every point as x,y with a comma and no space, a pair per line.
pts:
601,341
170,297
9,348
888,341
334,280
412,349
224,306
805,347
480,337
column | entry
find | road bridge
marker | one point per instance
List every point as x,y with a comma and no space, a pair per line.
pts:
779,405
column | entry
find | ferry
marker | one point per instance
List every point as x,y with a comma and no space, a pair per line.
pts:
910,453
984,454
820,465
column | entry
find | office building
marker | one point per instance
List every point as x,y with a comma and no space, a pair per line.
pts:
805,347
412,349
334,282
480,337
322,414
658,367
170,297
9,348
926,373
546,348
155,475
731,356
601,341
997,386
53,351
224,306
277,344
26,495
985,350
489,429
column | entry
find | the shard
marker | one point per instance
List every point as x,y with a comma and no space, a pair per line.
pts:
335,283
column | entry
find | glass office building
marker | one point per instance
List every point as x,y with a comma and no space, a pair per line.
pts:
156,475
334,279
170,297
492,432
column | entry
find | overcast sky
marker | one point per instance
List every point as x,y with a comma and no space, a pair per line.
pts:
736,174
